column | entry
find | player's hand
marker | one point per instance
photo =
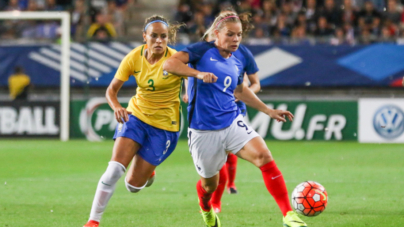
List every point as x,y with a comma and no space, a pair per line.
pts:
280,115
207,77
185,98
121,115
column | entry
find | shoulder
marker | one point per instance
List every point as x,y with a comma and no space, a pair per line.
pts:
137,52
197,50
199,46
244,51
170,51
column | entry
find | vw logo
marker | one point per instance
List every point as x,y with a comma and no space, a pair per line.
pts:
389,121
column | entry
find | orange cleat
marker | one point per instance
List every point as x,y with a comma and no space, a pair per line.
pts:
92,223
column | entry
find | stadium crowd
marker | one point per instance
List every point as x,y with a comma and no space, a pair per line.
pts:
276,21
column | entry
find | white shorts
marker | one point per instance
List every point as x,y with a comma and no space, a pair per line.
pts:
209,148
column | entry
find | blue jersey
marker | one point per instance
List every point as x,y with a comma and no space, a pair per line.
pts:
249,67
211,106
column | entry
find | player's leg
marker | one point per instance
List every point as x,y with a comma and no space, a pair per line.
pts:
129,138
217,194
123,152
157,146
209,156
256,152
231,169
139,174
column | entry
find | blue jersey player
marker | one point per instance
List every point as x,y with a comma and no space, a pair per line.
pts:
215,124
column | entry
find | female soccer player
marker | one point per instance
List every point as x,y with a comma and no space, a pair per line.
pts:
149,127
228,172
216,126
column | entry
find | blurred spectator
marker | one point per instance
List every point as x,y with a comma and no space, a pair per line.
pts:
282,27
286,10
13,5
392,13
183,14
386,36
339,37
332,12
349,12
244,6
365,37
101,29
323,29
349,32
198,28
269,11
259,38
258,22
299,36
51,6
207,10
32,6
368,17
18,84
311,15
301,20
115,16
78,17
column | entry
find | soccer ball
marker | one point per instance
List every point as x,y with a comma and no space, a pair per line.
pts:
309,198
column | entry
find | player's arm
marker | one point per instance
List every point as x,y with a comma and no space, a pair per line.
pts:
176,65
255,84
250,99
121,114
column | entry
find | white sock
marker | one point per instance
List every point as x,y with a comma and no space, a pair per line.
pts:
105,189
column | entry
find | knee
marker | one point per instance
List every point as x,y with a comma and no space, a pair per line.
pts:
210,188
114,171
262,158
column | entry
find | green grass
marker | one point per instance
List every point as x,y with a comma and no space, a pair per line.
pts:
364,182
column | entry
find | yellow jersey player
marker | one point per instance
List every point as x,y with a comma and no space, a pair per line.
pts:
149,127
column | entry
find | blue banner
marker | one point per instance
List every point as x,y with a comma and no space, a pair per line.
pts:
378,65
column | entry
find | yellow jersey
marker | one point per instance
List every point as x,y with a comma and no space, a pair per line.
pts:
17,84
157,99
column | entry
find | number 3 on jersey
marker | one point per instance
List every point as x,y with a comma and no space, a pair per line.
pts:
151,84
227,83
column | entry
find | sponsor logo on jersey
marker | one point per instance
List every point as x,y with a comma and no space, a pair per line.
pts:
388,121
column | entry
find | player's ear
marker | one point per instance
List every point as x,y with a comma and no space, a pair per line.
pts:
216,32
144,36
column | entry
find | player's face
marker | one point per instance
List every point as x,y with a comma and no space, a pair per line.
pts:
156,37
229,37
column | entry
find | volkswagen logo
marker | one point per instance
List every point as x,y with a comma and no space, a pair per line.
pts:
389,121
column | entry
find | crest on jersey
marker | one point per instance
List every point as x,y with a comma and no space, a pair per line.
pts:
165,73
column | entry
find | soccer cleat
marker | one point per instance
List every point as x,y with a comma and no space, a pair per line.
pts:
151,179
210,218
292,220
232,190
217,208
92,223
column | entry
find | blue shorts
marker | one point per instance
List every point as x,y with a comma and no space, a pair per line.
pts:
242,107
156,144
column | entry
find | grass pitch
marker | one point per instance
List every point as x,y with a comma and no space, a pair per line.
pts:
51,183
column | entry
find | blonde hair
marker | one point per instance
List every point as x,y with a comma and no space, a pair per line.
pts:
228,15
172,28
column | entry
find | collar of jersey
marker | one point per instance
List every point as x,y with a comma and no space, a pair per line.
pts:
147,62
